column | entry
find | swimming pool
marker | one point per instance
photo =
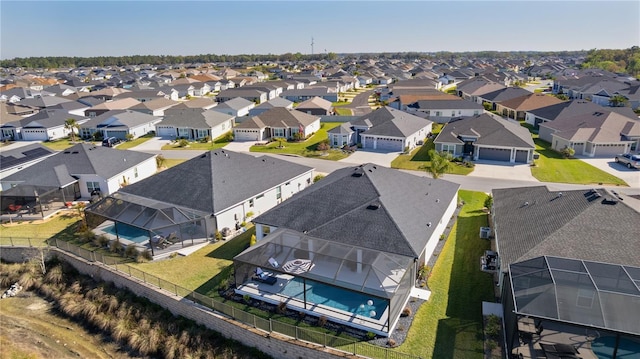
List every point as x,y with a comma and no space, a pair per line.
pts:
344,300
127,232
627,349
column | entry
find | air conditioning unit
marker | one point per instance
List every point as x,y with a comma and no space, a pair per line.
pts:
485,232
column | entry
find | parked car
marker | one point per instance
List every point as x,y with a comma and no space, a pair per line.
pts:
629,160
110,142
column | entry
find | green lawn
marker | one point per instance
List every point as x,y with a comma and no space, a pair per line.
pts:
419,159
133,143
449,325
306,148
64,143
170,162
34,229
340,111
197,145
202,270
552,167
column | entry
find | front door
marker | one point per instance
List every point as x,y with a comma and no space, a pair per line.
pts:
468,148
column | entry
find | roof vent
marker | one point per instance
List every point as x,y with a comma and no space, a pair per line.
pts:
74,152
609,201
357,174
373,206
429,224
526,203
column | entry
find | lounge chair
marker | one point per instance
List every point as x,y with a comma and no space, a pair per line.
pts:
273,262
173,238
264,277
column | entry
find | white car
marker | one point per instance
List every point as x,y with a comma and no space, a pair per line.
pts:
629,160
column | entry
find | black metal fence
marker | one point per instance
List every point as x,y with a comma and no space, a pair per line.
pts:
267,325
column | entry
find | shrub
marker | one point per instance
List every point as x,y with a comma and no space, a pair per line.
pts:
317,178
406,312
253,241
246,298
491,344
243,224
282,307
488,202
228,137
205,139
131,251
371,335
322,321
224,284
115,246
101,241
183,143
250,214
146,254
322,146
218,235
568,152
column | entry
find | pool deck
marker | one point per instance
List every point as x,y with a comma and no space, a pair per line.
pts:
556,333
271,294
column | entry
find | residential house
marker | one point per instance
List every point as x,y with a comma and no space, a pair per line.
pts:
16,159
443,111
253,95
570,270
194,124
474,88
43,102
278,122
304,94
223,190
79,172
45,125
265,106
517,108
120,124
360,236
493,98
201,102
594,134
155,107
237,107
485,137
316,106
385,129
124,104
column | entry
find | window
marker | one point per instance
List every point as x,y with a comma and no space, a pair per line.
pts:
453,113
251,202
135,172
93,186
278,132
278,192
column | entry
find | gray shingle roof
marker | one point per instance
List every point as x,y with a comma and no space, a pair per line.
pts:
447,105
388,121
81,159
119,118
194,118
49,118
575,108
381,208
505,94
491,131
216,180
532,222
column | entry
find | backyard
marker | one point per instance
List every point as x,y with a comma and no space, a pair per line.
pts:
449,325
305,148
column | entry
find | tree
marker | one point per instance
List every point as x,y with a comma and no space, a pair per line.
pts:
160,160
618,101
440,163
280,140
71,125
323,146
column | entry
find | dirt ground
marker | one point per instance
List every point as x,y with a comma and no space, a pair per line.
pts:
29,329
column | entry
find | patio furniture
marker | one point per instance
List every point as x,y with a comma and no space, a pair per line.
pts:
173,238
273,262
264,277
562,351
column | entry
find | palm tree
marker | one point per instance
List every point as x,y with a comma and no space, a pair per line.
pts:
618,101
71,125
440,163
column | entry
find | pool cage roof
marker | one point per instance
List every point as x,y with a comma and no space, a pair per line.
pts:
28,190
143,212
593,294
359,269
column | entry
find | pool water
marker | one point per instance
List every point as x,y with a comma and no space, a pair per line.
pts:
344,300
127,232
627,349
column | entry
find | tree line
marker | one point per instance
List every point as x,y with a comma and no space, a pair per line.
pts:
614,60
49,62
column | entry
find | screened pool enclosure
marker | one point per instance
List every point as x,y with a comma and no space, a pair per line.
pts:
360,287
148,223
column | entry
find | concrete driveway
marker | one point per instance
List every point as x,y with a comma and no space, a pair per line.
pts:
379,158
502,170
631,176
153,144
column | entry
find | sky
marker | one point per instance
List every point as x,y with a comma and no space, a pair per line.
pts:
119,28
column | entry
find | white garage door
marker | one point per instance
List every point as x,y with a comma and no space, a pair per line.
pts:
35,135
383,144
494,154
246,135
165,131
609,150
